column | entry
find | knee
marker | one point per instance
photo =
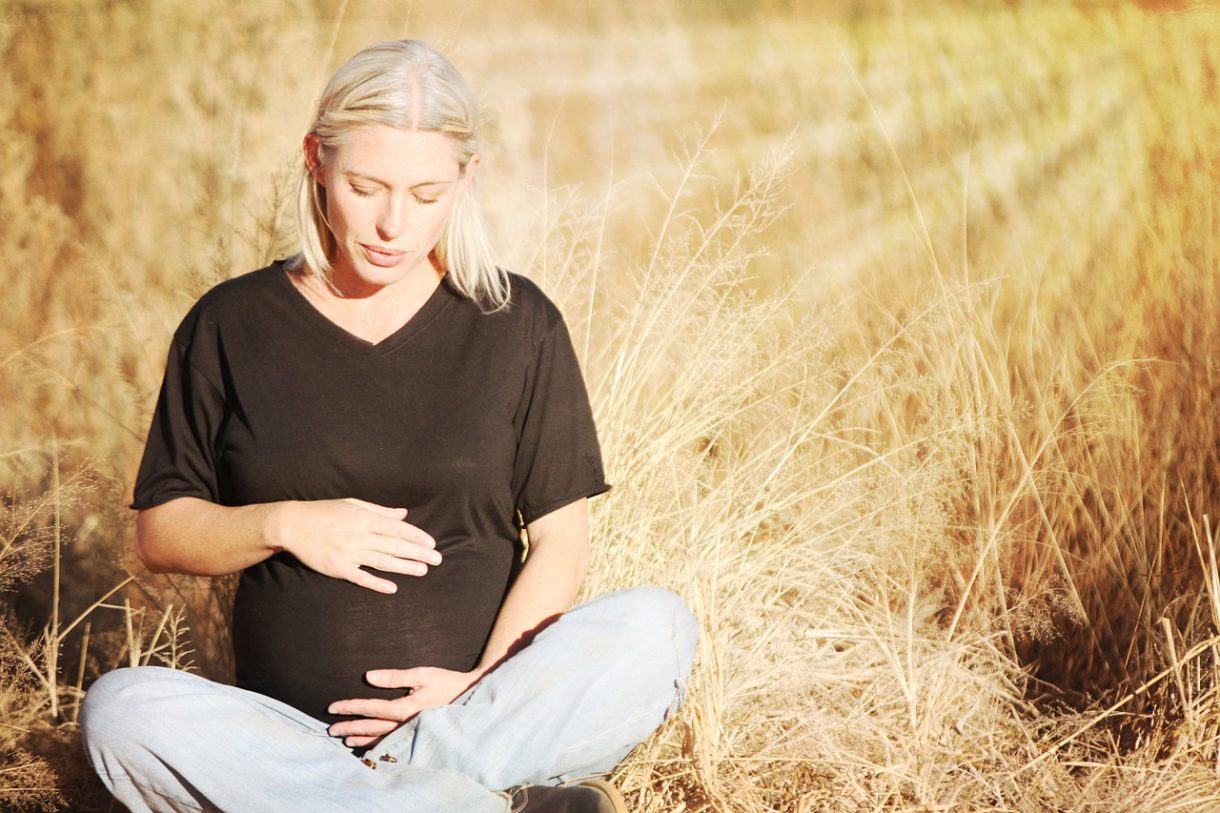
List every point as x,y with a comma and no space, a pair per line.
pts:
105,700
654,619
650,607
116,704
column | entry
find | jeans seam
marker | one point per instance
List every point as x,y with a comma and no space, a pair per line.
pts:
143,790
603,736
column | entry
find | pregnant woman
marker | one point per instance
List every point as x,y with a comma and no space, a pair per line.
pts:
363,430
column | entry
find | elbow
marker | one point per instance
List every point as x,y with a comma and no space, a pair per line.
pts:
146,548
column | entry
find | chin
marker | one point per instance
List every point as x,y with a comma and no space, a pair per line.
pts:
359,269
376,275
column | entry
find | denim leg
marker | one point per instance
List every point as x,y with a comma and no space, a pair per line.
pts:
164,740
573,703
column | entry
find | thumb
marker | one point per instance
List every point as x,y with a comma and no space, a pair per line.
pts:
383,510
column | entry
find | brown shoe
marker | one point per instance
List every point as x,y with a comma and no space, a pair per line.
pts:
586,796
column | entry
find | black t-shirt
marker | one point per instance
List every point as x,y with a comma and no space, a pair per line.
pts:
474,422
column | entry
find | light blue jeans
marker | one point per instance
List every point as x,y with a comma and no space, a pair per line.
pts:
572,704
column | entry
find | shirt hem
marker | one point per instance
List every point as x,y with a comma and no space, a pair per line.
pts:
161,499
534,514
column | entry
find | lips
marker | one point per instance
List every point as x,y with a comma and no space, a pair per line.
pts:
381,256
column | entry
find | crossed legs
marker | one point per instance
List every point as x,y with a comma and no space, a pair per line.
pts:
572,703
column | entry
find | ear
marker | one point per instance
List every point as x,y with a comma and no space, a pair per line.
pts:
468,173
312,148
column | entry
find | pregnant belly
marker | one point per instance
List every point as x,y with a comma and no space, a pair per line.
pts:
308,639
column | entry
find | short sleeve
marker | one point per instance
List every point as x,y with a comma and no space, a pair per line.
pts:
180,454
558,458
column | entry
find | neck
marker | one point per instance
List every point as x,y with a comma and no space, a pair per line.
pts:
370,312
343,283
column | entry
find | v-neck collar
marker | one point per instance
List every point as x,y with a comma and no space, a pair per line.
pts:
436,302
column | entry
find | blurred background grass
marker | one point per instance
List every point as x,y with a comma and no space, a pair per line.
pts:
899,321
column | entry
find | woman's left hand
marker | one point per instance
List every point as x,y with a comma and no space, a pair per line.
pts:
430,686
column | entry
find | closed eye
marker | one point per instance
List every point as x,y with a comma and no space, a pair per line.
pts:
362,191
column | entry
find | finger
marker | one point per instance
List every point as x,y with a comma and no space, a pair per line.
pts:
392,564
396,678
359,742
383,510
397,529
363,728
413,550
365,579
369,707
420,548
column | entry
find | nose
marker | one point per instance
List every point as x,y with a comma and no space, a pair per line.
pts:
391,221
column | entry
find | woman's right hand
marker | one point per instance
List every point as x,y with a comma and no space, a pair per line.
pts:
339,537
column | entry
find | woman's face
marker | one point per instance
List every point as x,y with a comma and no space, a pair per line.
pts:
388,195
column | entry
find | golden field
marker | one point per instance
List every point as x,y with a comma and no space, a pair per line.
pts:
899,320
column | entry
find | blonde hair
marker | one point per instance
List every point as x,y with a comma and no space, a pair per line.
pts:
407,85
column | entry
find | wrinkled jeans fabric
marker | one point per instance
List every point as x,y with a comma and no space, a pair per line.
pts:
571,704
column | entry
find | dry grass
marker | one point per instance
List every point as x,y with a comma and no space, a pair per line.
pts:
903,363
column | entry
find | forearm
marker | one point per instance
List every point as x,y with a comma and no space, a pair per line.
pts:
190,535
344,539
547,583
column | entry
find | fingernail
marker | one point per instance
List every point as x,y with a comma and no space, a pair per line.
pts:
435,558
333,708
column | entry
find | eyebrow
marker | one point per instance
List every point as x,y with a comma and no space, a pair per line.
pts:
371,179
